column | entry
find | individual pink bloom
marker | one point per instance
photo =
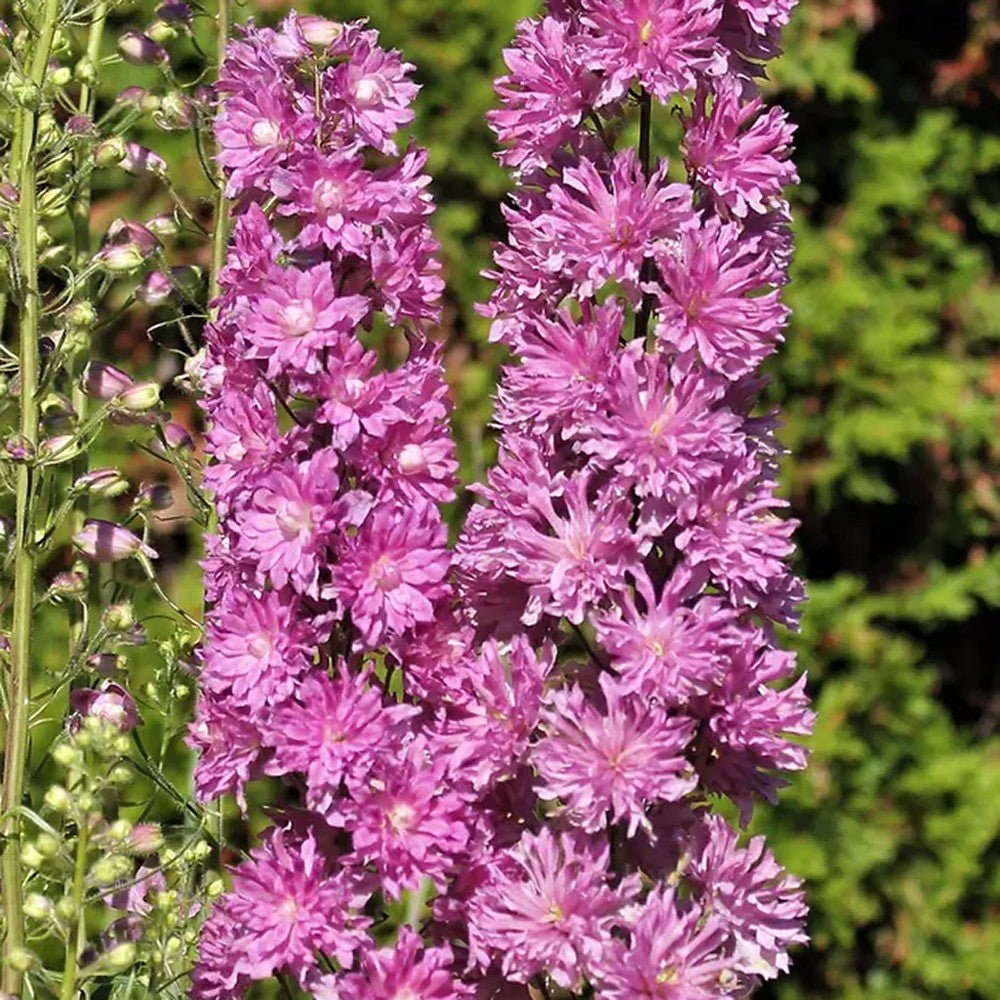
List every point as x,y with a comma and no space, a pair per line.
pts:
749,727
406,274
334,731
371,93
545,94
106,542
391,574
406,970
667,44
674,952
255,132
563,370
663,648
216,976
546,907
288,523
257,648
759,904
229,749
287,904
110,703
576,549
608,764
730,527
715,305
298,317
738,151
660,439
407,822
495,711
603,229
765,16
253,254
351,396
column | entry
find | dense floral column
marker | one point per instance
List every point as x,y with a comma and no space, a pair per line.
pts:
631,521
520,751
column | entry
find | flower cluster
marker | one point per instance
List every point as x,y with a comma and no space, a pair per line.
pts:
521,738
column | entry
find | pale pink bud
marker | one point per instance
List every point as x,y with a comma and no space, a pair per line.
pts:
109,703
140,50
105,542
104,482
104,381
139,160
319,31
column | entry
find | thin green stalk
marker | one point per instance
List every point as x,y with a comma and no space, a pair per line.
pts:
220,228
16,745
71,967
645,274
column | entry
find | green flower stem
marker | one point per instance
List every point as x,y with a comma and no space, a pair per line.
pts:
18,693
220,228
73,943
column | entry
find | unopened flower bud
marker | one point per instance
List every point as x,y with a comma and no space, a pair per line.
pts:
106,870
68,585
120,259
53,258
66,909
60,76
161,32
18,449
139,160
105,382
119,617
106,483
38,907
319,31
140,50
146,838
22,959
121,957
139,398
110,152
81,316
131,96
57,798
31,858
120,829
47,845
106,542
52,203
175,113
85,71
66,755
150,103
177,437
163,225
55,450
121,775
174,12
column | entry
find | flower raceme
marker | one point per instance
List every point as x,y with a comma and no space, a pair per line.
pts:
523,737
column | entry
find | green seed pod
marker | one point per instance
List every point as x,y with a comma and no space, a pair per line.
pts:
53,203
110,152
81,316
119,617
31,858
55,257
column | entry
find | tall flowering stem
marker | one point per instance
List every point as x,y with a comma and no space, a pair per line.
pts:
19,687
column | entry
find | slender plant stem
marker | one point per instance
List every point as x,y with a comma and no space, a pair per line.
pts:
220,227
70,970
645,129
18,695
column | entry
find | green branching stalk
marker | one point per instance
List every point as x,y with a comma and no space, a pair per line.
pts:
18,694
71,967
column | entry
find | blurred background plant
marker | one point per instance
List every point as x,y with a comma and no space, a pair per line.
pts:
890,382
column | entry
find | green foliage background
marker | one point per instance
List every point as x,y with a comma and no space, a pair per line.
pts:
890,382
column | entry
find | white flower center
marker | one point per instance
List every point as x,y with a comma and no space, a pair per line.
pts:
260,645
368,91
298,319
295,519
385,573
400,817
412,459
265,133
327,195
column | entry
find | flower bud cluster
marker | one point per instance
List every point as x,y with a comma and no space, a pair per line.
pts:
533,730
